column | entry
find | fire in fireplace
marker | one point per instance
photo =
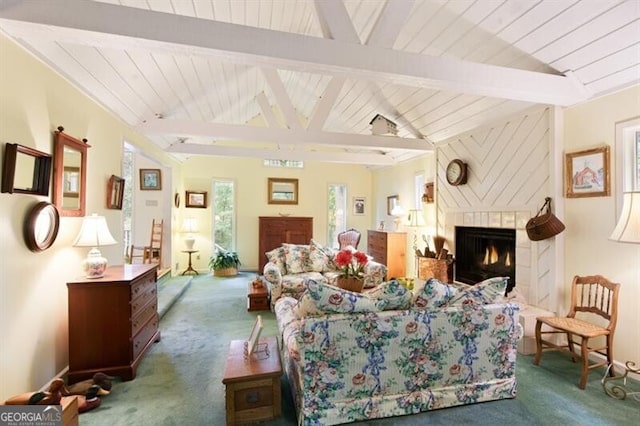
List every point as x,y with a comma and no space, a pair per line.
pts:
483,253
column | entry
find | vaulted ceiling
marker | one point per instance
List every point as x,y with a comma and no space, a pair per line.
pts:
302,79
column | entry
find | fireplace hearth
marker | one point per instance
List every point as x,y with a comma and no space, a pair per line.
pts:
483,253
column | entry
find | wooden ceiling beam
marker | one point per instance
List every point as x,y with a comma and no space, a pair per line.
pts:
120,27
218,131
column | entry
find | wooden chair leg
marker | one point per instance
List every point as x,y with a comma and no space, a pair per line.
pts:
585,362
610,354
574,356
536,359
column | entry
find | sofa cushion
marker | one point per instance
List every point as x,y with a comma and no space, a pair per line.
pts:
320,298
433,294
296,258
277,257
391,295
320,257
485,292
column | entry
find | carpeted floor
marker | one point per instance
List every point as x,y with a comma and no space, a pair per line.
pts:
179,381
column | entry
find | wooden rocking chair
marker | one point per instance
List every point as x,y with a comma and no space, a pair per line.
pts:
590,295
153,252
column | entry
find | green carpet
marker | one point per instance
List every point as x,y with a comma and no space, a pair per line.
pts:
179,381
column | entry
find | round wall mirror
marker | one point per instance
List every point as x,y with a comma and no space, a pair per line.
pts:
41,226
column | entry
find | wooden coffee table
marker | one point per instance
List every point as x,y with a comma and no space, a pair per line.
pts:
252,386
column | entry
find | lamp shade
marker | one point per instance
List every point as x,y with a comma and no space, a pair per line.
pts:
189,225
628,228
94,233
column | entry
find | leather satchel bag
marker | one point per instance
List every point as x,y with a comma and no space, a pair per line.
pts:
544,226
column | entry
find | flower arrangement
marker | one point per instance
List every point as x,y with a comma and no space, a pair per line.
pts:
351,263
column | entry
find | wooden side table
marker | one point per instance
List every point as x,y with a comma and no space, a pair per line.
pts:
258,297
252,386
190,269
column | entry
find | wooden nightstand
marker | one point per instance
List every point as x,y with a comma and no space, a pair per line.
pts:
252,386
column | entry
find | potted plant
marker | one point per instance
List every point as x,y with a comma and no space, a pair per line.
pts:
224,263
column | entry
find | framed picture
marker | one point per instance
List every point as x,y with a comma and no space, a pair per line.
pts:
150,179
587,173
254,336
359,206
115,191
392,201
196,199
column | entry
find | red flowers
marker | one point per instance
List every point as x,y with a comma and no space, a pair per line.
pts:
351,264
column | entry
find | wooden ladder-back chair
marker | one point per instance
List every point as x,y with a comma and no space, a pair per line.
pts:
591,297
152,252
350,237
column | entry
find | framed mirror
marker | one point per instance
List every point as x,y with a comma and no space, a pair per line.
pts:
41,226
25,170
69,174
115,192
282,191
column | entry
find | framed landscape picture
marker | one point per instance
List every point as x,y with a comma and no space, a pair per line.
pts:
587,173
150,180
196,199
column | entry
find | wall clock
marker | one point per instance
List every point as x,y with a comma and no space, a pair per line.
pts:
456,172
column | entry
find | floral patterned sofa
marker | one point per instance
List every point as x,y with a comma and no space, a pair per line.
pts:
290,265
351,357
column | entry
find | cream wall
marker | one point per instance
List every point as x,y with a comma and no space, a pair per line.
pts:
590,220
33,293
399,180
250,177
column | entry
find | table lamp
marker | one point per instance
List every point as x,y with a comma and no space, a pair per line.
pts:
94,233
628,228
397,212
189,226
415,221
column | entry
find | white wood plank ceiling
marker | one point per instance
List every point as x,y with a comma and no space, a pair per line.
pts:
302,79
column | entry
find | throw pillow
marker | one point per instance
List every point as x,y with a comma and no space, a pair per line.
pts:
485,292
276,256
434,294
320,298
296,258
319,258
391,295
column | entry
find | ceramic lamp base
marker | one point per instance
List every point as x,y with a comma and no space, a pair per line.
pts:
188,243
95,264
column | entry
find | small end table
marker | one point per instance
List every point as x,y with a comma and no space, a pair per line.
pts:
252,385
190,269
258,296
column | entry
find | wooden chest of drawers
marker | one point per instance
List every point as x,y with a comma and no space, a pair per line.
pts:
112,321
273,231
389,248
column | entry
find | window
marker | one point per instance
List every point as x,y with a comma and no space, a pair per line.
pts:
627,158
223,211
418,190
284,163
337,219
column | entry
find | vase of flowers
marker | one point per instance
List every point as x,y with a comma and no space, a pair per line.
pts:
351,265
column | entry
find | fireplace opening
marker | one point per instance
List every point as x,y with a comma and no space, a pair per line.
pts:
483,253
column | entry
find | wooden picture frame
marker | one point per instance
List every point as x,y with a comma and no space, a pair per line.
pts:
254,336
196,199
392,201
150,179
282,191
359,206
115,192
587,173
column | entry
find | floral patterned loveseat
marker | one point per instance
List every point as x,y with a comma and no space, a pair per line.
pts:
351,357
290,265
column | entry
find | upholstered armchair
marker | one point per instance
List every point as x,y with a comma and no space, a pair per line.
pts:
350,237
